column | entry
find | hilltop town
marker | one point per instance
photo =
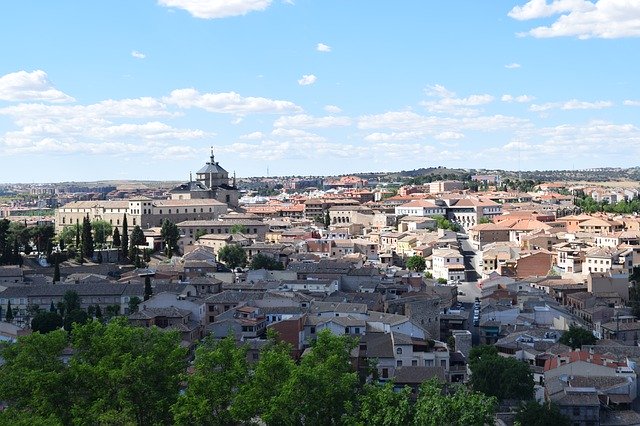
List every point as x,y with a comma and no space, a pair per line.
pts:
423,273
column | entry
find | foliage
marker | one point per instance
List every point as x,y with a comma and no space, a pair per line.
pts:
74,317
46,321
101,231
56,269
117,374
416,263
11,236
9,315
220,367
441,280
117,242
380,405
134,302
504,378
72,300
443,223
148,291
484,219
464,407
87,238
533,414
327,219
124,239
589,205
170,234
199,233
233,256
238,229
262,261
577,336
137,237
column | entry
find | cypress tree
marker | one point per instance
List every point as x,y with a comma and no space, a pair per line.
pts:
125,238
98,311
56,271
9,312
77,237
87,238
52,308
116,238
147,288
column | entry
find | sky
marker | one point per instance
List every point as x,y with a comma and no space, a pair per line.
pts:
121,89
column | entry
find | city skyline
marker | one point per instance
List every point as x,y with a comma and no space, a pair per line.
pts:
142,90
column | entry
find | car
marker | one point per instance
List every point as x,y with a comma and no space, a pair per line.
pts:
476,322
461,293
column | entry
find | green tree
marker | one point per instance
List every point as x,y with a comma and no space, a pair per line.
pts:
9,315
464,407
233,256
533,414
33,378
220,369
484,219
124,246
148,290
115,239
199,233
416,263
101,231
380,405
577,336
441,280
504,378
327,219
170,234
134,303
68,234
256,396
137,237
45,322
98,312
117,376
71,300
52,307
75,317
238,228
56,269
324,380
87,238
262,261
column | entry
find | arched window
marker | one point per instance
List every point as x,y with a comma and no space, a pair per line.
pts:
399,351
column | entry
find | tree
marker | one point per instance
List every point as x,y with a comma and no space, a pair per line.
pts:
533,414
484,219
68,234
577,336
74,317
98,312
33,379
416,263
233,256
71,301
324,380
148,291
327,219
116,373
45,322
199,233
125,238
238,229
379,405
116,238
464,407
87,238
262,261
134,302
56,270
9,316
52,307
170,234
441,280
220,368
101,231
137,237
504,378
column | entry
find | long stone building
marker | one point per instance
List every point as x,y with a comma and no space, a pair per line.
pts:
206,198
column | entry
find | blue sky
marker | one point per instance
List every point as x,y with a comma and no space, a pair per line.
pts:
141,89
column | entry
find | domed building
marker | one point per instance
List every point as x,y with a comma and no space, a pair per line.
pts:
212,182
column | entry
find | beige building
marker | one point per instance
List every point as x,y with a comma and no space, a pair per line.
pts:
141,211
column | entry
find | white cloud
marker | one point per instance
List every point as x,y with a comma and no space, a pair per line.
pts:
306,80
228,103
321,47
332,109
138,55
449,135
212,9
512,65
30,86
570,105
307,121
582,18
449,103
253,136
631,103
297,135
519,99
395,136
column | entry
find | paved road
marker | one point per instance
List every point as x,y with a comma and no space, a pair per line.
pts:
470,259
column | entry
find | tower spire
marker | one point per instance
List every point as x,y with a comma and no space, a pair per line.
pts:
234,179
190,177
212,156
